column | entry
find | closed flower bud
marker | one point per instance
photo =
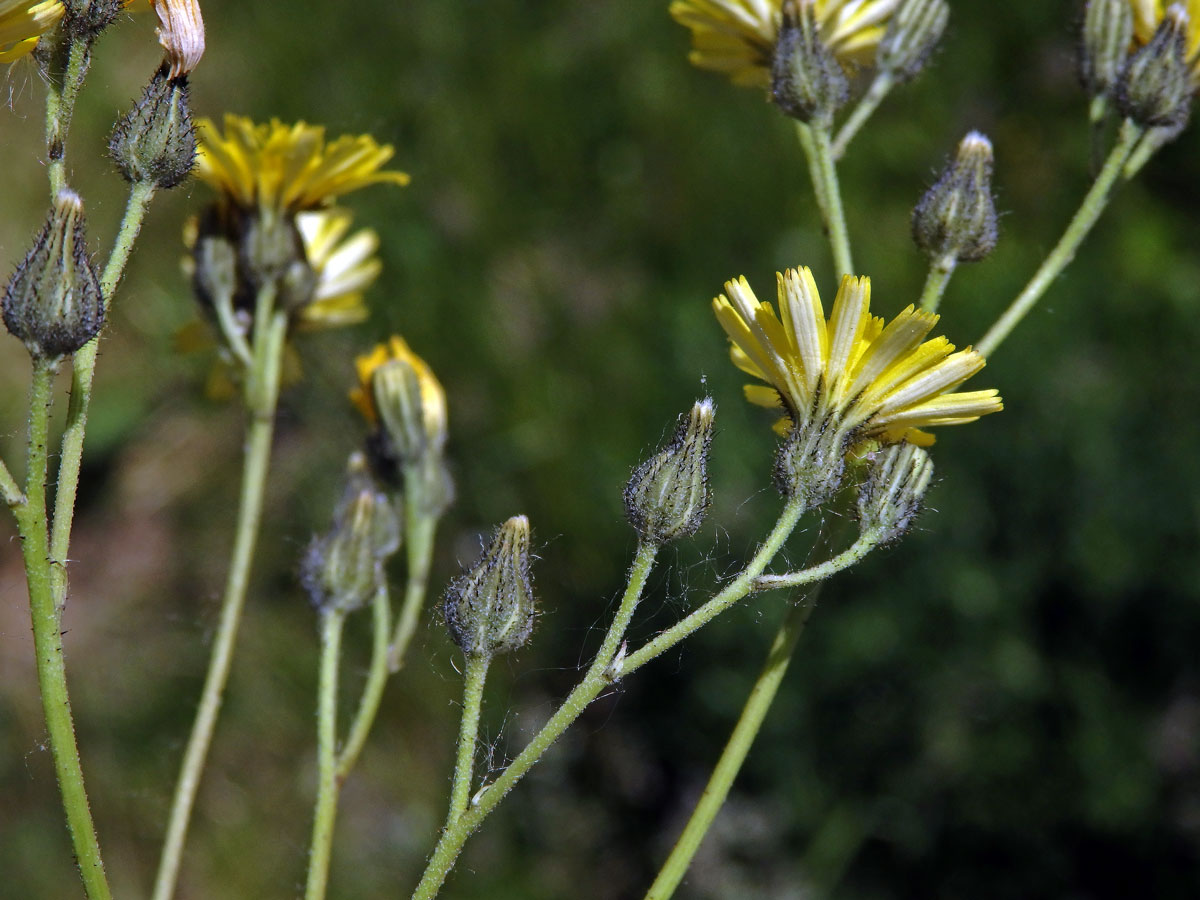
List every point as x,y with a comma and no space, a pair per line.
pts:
890,497
1107,35
668,494
154,142
1155,88
811,463
489,609
915,29
342,570
956,219
807,81
53,301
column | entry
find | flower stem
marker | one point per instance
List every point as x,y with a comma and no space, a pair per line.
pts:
734,754
46,619
377,675
262,395
83,371
464,766
1060,257
418,538
325,812
60,106
742,585
814,139
879,89
9,488
594,681
940,271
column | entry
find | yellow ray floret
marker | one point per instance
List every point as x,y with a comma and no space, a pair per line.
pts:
738,37
1147,14
21,24
287,167
344,268
853,372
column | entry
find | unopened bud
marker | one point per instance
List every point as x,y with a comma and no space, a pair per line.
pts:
807,81
53,301
489,609
890,497
342,570
913,32
668,494
1107,35
811,462
181,33
956,218
154,142
1155,87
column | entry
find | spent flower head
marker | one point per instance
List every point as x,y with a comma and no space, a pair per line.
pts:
181,33
849,374
738,37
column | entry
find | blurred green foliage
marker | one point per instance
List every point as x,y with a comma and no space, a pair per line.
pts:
1006,704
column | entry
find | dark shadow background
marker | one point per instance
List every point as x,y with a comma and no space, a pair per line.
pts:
1006,704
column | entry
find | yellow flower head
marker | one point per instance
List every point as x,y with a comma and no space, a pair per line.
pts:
344,268
398,391
287,167
738,37
1147,14
22,22
851,372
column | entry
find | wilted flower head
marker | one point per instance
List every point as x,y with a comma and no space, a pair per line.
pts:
181,33
1148,15
738,37
288,168
22,23
850,374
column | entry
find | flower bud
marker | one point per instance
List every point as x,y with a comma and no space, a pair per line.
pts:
154,142
807,81
956,218
489,609
811,462
181,33
891,495
1155,87
342,570
668,494
1107,35
53,301
913,32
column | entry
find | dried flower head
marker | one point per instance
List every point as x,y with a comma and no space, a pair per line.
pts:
181,33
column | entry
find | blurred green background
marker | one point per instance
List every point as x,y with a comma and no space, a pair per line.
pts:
1006,704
